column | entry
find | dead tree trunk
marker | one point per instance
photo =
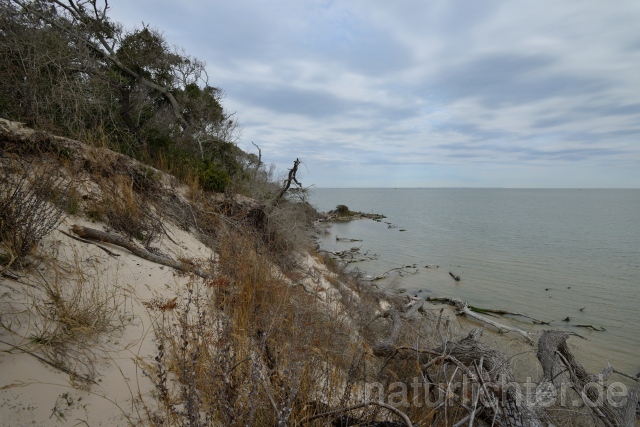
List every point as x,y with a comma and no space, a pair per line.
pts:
290,178
554,354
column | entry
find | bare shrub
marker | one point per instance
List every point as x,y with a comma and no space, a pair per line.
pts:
28,209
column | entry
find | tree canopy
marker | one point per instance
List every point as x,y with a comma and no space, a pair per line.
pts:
67,67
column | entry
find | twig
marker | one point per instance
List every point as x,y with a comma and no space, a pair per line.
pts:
626,375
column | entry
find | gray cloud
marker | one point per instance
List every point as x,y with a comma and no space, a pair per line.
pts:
513,78
423,91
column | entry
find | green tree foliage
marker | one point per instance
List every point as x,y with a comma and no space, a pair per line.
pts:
343,210
67,67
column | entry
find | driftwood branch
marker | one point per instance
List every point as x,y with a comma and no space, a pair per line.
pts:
347,239
595,328
101,236
399,270
463,308
505,312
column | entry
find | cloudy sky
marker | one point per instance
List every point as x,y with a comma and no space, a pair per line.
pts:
431,93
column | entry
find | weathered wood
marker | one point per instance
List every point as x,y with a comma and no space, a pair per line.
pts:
101,236
553,350
346,239
455,276
287,182
505,312
89,242
494,365
463,308
400,270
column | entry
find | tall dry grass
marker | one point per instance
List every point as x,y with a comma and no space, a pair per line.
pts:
246,348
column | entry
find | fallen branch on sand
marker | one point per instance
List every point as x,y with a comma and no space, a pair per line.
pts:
101,236
90,243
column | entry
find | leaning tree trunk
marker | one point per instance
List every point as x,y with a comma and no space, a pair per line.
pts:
554,355
290,178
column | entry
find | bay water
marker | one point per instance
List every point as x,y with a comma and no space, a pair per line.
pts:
549,253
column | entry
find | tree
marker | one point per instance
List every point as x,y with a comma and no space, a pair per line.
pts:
70,68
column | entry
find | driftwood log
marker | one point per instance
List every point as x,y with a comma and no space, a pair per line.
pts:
482,310
463,308
554,354
490,371
101,236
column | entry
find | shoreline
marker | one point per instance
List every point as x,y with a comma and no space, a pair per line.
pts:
436,282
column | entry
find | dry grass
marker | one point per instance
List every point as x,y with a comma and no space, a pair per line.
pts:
66,313
249,348
76,317
245,348
125,210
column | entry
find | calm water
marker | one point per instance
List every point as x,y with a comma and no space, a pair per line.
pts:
509,247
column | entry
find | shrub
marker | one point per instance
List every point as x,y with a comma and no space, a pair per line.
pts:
29,207
214,178
343,210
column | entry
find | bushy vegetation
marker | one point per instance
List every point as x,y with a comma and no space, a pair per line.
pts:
343,210
68,68
28,209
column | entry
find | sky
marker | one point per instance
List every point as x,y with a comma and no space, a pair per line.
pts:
431,93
